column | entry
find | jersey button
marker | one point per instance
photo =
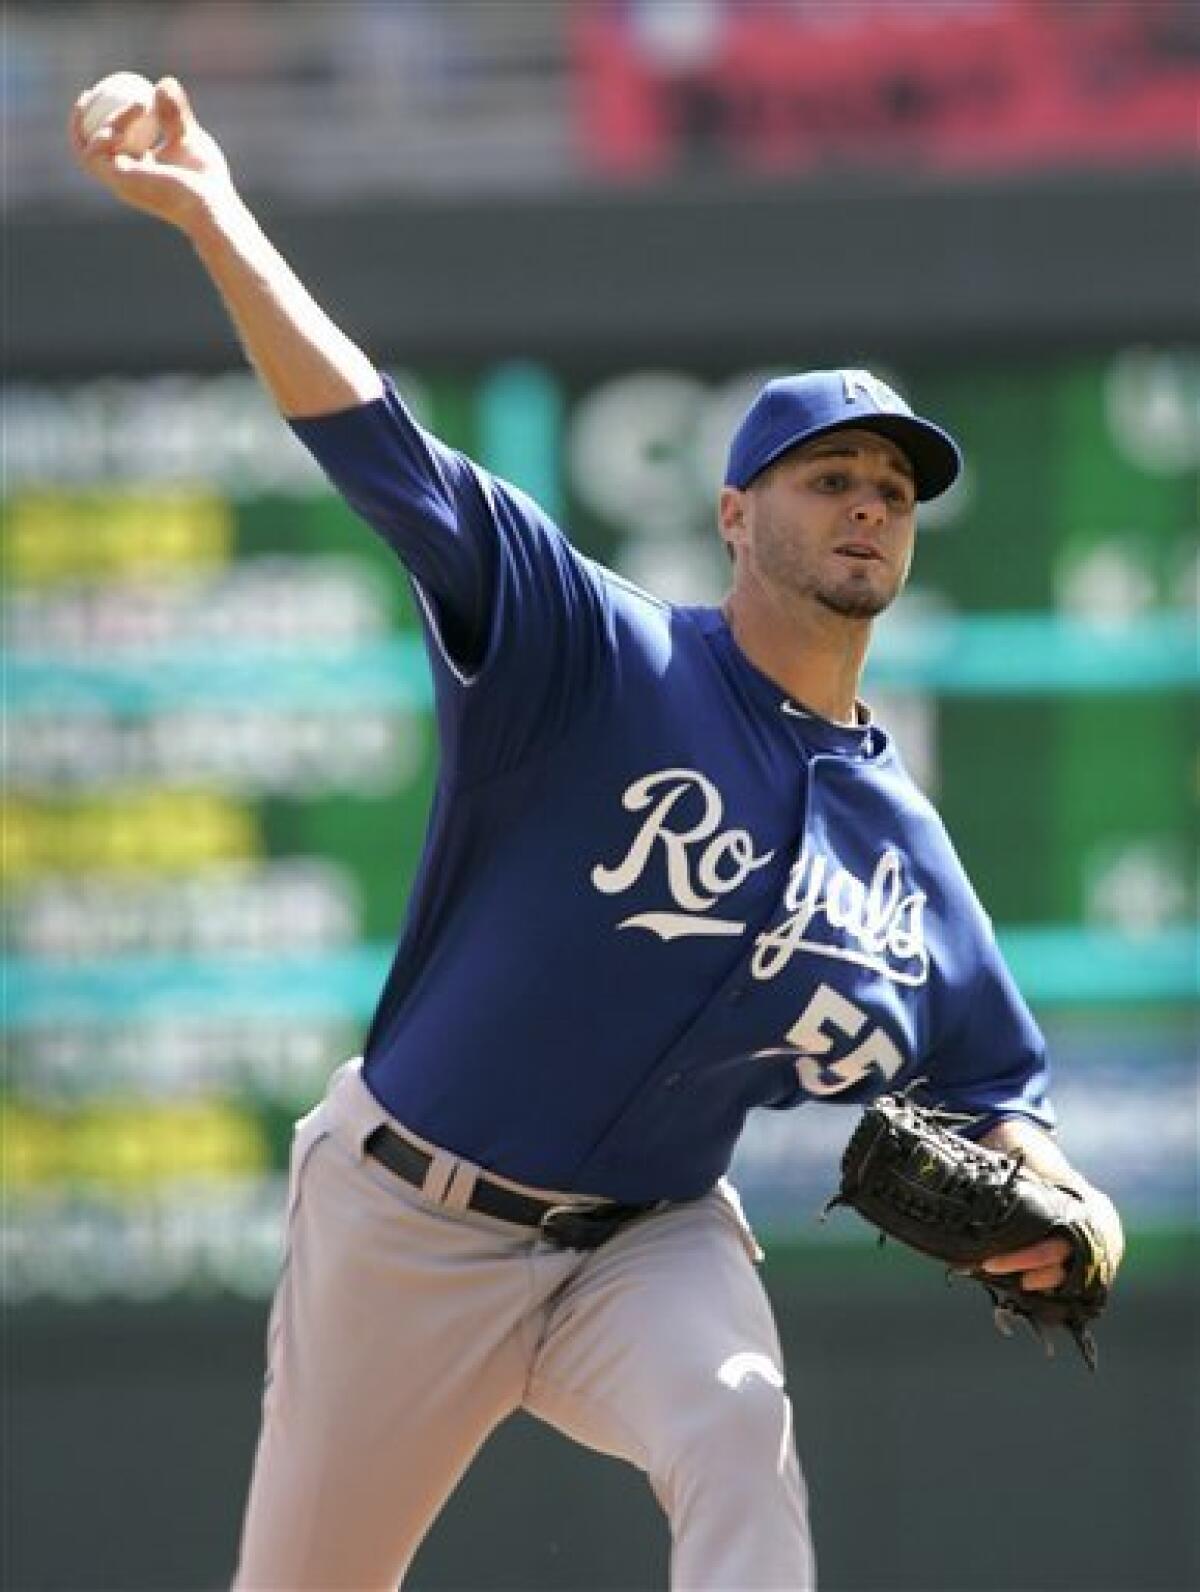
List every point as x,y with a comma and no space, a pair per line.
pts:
672,1080
737,994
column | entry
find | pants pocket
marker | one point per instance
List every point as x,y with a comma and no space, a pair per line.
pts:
306,1135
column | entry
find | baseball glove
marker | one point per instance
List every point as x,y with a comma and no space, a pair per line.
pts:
906,1171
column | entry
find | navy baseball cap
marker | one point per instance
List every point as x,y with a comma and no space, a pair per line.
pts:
795,409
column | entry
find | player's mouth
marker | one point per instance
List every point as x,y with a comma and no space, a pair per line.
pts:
868,552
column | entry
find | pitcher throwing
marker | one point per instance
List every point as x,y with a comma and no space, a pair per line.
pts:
674,872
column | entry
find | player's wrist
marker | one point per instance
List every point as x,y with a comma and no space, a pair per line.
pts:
216,220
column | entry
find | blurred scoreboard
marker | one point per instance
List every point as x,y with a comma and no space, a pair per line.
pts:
219,755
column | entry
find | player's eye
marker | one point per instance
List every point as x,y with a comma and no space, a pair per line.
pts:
831,481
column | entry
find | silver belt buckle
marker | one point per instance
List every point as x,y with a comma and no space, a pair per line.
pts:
579,1226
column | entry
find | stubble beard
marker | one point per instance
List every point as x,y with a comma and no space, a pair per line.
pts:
851,595
852,599
859,591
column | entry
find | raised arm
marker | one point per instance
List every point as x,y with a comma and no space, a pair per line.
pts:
308,365
497,582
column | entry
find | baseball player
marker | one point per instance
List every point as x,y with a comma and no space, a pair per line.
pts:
674,871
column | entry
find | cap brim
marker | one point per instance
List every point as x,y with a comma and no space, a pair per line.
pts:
932,452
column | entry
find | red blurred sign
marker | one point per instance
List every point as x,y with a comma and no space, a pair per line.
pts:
781,86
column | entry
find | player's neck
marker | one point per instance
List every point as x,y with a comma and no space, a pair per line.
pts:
816,656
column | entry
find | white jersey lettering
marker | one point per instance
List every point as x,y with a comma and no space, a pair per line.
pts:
703,862
885,926
875,923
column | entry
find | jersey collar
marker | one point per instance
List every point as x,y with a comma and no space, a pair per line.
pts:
866,739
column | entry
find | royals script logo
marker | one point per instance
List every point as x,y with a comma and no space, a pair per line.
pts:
828,911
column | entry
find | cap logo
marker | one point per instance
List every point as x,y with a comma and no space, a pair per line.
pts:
861,384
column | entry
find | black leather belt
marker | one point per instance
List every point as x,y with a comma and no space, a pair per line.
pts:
576,1226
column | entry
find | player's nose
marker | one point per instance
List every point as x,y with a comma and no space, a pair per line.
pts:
869,509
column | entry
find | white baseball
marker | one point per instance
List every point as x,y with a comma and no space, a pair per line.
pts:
116,93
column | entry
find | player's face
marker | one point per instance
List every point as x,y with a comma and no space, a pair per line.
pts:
832,522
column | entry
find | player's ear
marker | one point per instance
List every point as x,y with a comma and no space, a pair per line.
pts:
731,519
732,509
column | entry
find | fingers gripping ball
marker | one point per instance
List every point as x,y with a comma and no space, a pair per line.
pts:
118,92
906,1171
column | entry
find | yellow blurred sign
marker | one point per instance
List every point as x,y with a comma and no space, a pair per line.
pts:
158,831
128,1145
53,536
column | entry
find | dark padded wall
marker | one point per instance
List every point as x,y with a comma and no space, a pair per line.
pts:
735,273
940,1457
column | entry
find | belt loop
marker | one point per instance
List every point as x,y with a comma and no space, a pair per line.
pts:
461,1186
439,1177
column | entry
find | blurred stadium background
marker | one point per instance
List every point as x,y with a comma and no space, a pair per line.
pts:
580,234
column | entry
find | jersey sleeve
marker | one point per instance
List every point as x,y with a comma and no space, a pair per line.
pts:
516,620
992,1061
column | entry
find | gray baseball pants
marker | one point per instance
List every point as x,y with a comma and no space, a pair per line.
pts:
405,1328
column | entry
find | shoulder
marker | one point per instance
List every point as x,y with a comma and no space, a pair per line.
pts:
638,616
888,772
635,599
919,824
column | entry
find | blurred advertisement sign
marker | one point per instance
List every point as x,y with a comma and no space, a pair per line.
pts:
789,86
219,753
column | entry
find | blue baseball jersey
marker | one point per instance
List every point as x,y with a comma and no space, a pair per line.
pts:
655,892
